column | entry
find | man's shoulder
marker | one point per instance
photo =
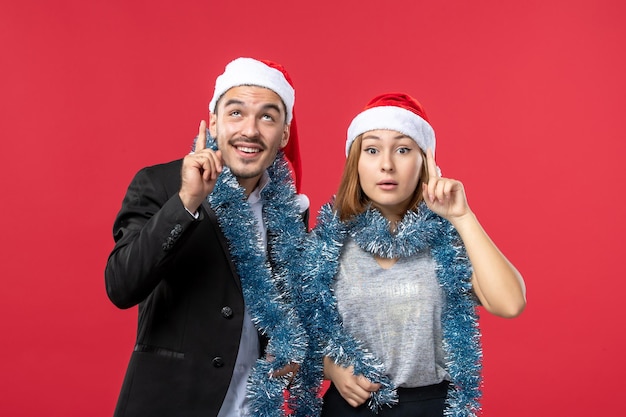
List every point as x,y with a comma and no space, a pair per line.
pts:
165,168
167,173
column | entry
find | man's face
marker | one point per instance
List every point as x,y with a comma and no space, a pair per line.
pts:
249,126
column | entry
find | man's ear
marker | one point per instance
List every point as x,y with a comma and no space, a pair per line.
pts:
213,125
285,139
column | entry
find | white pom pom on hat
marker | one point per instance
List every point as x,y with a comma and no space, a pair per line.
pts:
394,111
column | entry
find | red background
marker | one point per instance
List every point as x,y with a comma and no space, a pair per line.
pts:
527,99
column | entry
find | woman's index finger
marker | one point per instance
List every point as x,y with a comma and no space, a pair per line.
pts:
432,166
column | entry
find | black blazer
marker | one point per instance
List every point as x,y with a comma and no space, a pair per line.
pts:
178,270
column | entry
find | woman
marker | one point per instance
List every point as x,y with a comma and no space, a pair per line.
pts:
400,263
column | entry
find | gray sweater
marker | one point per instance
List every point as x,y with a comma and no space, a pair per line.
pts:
395,312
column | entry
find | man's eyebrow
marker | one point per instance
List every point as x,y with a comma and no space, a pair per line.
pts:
272,106
235,101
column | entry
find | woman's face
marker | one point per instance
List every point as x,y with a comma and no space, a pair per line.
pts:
389,170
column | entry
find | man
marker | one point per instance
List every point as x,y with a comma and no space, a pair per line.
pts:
199,249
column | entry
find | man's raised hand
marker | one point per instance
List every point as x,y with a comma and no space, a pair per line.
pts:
199,173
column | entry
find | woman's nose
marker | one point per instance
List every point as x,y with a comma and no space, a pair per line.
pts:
386,163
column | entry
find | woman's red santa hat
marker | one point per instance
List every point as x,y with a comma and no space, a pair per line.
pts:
394,111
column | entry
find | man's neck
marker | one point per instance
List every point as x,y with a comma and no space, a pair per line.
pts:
250,184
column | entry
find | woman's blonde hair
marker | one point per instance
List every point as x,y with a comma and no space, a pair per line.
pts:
351,200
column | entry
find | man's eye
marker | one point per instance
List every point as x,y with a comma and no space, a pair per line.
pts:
268,117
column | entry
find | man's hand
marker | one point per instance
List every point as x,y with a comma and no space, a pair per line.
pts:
290,370
199,173
355,389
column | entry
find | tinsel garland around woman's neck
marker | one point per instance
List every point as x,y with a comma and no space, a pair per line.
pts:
377,235
418,230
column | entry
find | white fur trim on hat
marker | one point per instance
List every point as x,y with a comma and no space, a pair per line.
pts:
249,71
392,118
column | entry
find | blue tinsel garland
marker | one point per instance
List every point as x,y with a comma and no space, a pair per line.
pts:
266,283
417,231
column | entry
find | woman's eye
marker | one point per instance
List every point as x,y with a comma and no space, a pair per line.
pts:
404,150
370,151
